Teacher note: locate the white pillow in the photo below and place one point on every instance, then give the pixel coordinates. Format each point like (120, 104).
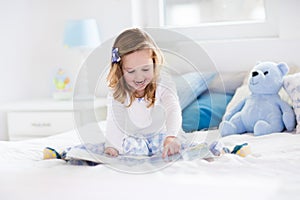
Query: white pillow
(292, 86)
(227, 82)
(190, 85)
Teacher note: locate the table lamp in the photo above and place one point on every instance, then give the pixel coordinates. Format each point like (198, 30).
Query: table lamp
(82, 35)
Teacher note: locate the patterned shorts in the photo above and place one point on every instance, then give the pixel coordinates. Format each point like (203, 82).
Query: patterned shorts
(147, 145)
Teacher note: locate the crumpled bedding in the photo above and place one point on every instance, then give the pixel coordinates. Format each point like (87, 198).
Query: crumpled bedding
(271, 171)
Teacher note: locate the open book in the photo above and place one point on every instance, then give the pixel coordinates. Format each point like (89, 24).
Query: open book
(95, 153)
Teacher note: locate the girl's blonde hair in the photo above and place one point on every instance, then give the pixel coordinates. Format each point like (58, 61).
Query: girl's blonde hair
(127, 42)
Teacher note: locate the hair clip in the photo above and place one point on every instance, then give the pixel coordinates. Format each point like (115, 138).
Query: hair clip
(115, 58)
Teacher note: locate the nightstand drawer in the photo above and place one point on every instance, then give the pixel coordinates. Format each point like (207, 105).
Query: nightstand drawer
(33, 124)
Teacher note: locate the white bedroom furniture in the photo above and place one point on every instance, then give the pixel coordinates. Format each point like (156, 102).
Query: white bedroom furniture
(45, 117)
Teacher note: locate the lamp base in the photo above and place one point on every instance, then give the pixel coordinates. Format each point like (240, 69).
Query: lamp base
(83, 98)
(62, 96)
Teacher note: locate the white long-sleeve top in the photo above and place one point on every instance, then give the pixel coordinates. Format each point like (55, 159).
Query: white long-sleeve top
(138, 120)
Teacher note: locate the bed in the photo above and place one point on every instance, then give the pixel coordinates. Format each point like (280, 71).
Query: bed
(271, 171)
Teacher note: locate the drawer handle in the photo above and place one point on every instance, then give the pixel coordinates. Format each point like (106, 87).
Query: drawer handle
(41, 124)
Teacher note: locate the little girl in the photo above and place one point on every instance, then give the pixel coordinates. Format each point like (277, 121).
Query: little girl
(144, 115)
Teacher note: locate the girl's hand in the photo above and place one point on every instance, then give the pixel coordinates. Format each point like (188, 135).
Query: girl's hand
(171, 146)
(111, 151)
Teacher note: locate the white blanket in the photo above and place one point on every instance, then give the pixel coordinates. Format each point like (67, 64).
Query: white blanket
(271, 171)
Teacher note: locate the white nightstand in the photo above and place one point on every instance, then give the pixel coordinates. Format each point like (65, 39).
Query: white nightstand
(40, 118)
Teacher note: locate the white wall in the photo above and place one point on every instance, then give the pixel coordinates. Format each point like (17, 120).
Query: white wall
(243, 54)
(31, 48)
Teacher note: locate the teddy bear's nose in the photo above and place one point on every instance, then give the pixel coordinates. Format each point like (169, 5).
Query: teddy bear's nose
(254, 74)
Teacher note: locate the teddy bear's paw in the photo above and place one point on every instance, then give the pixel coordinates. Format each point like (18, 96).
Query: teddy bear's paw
(289, 121)
(262, 128)
(227, 128)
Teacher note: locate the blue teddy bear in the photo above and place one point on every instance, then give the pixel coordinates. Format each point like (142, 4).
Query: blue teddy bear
(263, 111)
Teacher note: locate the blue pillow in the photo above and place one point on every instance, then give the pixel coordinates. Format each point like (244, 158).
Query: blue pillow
(190, 85)
(205, 112)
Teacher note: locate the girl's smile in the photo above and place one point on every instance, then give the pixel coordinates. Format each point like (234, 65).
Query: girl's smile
(140, 83)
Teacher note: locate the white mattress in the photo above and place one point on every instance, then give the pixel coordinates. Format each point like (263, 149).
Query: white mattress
(272, 171)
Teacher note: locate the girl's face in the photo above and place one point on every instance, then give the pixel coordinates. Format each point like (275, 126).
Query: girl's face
(138, 70)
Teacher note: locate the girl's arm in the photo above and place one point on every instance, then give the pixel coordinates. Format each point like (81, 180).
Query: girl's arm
(170, 102)
(171, 146)
(113, 136)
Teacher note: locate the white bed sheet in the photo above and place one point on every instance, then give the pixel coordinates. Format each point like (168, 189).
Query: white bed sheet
(272, 171)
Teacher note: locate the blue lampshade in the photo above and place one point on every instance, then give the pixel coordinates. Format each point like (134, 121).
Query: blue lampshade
(81, 34)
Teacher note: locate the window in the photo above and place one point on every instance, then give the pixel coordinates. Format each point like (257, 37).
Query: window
(211, 19)
(197, 12)
(221, 19)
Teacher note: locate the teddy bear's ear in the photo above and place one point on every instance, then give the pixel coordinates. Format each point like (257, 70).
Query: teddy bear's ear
(283, 67)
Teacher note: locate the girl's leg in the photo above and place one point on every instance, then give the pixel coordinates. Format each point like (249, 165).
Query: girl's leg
(135, 146)
(155, 143)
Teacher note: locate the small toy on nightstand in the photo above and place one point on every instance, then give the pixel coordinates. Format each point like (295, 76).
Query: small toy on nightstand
(63, 90)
